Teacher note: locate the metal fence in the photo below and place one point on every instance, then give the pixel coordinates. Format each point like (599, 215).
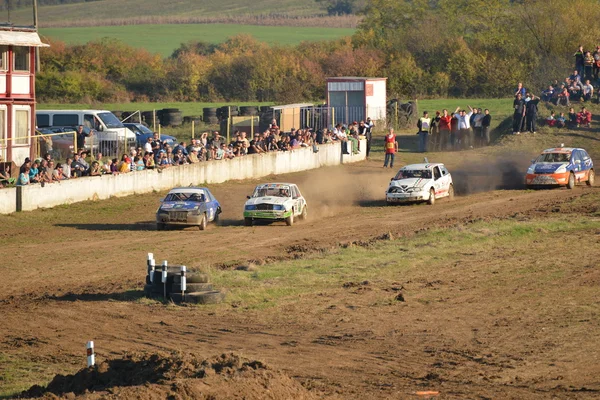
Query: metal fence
(322, 117)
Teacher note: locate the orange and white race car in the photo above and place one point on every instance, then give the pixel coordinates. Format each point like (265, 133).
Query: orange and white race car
(561, 166)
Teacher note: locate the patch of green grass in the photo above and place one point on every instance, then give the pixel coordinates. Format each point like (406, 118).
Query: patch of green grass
(385, 261)
(17, 374)
(164, 39)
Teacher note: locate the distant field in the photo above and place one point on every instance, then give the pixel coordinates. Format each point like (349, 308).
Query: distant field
(164, 39)
(109, 9)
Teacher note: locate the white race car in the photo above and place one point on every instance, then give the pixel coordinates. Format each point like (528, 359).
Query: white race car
(420, 182)
(276, 202)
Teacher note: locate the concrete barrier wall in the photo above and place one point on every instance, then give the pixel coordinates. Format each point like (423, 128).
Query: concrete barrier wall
(254, 166)
(8, 200)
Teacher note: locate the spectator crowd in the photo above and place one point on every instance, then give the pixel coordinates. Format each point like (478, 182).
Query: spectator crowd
(157, 154)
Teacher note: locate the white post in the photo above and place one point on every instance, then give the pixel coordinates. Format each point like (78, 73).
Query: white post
(150, 263)
(151, 271)
(91, 358)
(183, 281)
(164, 277)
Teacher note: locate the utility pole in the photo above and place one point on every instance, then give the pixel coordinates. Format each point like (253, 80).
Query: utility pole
(35, 25)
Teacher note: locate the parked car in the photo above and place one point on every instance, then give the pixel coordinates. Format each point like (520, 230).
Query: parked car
(275, 202)
(63, 145)
(142, 133)
(188, 206)
(561, 166)
(420, 182)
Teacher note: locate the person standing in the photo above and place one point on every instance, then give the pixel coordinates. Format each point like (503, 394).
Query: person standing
(81, 135)
(464, 127)
(485, 125)
(424, 125)
(588, 66)
(391, 147)
(519, 114)
(531, 111)
(435, 132)
(445, 127)
(579, 56)
(478, 127)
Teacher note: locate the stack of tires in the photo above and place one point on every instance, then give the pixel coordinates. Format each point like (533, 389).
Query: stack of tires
(248, 111)
(148, 116)
(198, 289)
(171, 117)
(209, 116)
(227, 111)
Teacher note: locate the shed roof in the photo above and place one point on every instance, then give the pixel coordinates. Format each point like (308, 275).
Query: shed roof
(287, 106)
(20, 38)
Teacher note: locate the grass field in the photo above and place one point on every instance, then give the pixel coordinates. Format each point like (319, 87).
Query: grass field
(164, 39)
(110, 9)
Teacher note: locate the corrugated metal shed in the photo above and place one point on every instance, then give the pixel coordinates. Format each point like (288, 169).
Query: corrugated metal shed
(17, 38)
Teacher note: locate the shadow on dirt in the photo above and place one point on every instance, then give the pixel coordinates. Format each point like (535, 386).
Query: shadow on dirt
(138, 226)
(578, 135)
(372, 203)
(128, 295)
(231, 222)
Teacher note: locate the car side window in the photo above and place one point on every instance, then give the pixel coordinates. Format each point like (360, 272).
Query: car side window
(444, 171)
(436, 173)
(576, 157)
(294, 192)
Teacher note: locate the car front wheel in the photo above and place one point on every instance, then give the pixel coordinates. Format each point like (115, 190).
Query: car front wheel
(202, 225)
(451, 192)
(289, 221)
(571, 183)
(304, 214)
(248, 221)
(160, 227)
(431, 200)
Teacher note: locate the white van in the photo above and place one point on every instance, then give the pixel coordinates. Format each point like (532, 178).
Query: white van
(110, 133)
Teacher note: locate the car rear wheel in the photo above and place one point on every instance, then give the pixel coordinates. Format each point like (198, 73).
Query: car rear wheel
(591, 178)
(202, 225)
(304, 214)
(431, 200)
(248, 221)
(571, 183)
(289, 221)
(451, 192)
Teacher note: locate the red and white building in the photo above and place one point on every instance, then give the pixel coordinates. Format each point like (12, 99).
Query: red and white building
(17, 92)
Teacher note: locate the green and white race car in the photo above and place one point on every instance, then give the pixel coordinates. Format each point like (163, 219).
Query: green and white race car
(275, 202)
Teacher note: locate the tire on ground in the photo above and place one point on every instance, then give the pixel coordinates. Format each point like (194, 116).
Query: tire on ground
(208, 297)
(194, 277)
(192, 287)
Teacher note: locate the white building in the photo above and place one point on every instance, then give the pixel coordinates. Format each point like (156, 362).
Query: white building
(356, 98)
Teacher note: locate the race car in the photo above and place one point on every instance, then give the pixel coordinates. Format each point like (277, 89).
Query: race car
(420, 182)
(185, 206)
(560, 166)
(275, 202)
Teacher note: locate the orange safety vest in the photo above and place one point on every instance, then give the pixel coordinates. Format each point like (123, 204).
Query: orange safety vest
(390, 146)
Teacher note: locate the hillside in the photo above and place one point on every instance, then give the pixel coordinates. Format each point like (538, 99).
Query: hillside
(101, 11)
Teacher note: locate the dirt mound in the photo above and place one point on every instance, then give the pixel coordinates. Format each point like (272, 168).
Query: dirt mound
(177, 376)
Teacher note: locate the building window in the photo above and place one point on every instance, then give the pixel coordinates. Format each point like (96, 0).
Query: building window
(21, 56)
(21, 127)
(3, 58)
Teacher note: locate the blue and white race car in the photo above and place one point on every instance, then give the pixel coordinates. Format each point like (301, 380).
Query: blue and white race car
(187, 206)
(561, 166)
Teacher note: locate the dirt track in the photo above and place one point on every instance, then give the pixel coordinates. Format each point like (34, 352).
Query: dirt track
(66, 291)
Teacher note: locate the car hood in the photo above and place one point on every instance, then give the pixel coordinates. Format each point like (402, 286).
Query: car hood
(180, 205)
(548, 167)
(267, 200)
(409, 183)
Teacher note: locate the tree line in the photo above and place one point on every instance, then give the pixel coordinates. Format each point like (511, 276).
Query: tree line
(426, 48)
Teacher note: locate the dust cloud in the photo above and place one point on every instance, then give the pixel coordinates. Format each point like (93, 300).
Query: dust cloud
(333, 190)
(503, 172)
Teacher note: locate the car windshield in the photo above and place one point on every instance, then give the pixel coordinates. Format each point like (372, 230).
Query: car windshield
(275, 191)
(110, 120)
(553, 157)
(414, 173)
(201, 197)
(144, 129)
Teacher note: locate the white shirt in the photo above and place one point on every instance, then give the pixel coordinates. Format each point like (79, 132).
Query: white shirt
(588, 89)
(463, 122)
(148, 147)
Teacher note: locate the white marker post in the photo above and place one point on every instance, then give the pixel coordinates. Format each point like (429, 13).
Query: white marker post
(91, 358)
(183, 282)
(164, 277)
(151, 267)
